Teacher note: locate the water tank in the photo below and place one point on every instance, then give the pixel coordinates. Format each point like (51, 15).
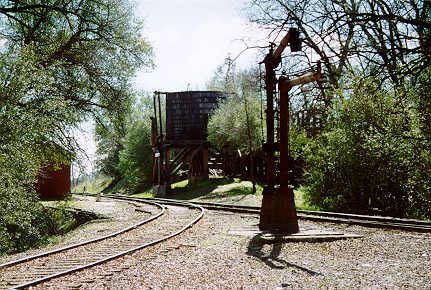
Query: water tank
(187, 114)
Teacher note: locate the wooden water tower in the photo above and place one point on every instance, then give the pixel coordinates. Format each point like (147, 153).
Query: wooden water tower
(184, 147)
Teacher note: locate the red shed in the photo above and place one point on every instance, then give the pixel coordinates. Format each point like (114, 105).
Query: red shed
(53, 181)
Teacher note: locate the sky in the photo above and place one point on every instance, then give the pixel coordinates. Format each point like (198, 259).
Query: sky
(191, 38)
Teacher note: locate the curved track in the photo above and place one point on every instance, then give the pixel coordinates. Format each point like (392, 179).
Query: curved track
(322, 216)
(166, 222)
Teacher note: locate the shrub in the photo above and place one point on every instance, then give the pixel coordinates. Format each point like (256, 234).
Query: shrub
(371, 157)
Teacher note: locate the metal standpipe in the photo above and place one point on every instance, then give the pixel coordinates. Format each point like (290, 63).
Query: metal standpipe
(278, 212)
(268, 198)
(275, 199)
(157, 140)
(285, 220)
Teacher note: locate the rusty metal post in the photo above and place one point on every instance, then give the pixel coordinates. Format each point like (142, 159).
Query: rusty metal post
(278, 213)
(160, 154)
(205, 159)
(271, 61)
(269, 147)
(285, 220)
(167, 168)
(284, 130)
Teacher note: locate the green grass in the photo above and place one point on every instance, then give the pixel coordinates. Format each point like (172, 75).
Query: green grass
(145, 194)
(301, 202)
(93, 186)
(212, 188)
(231, 190)
(215, 189)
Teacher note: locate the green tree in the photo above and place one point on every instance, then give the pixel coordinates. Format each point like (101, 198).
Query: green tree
(372, 156)
(373, 150)
(62, 62)
(236, 124)
(420, 182)
(384, 36)
(135, 159)
(230, 126)
(110, 131)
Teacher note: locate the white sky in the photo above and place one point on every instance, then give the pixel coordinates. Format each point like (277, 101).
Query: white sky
(191, 38)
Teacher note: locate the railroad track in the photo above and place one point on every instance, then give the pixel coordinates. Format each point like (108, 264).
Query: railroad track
(165, 221)
(321, 216)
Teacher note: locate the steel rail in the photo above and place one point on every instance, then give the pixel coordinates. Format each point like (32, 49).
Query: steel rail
(322, 216)
(69, 247)
(119, 254)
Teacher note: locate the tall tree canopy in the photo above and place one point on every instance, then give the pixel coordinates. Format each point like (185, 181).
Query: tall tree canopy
(62, 61)
(389, 38)
(237, 122)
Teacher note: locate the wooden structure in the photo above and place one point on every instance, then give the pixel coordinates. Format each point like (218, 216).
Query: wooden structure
(53, 181)
(184, 148)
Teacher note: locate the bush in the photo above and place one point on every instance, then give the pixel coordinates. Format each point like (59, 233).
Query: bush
(371, 157)
(20, 210)
(136, 157)
(24, 222)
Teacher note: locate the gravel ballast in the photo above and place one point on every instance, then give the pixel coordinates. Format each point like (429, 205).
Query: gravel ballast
(209, 256)
(116, 215)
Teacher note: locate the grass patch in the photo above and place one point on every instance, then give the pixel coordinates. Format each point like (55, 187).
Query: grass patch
(62, 218)
(93, 186)
(215, 187)
(300, 200)
(54, 219)
(225, 190)
(145, 194)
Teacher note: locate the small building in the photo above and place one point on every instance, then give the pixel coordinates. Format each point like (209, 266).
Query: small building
(53, 181)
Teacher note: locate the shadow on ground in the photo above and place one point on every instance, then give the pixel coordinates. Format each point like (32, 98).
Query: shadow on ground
(256, 249)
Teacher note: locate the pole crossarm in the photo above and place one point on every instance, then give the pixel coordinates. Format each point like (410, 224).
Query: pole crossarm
(283, 43)
(285, 83)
